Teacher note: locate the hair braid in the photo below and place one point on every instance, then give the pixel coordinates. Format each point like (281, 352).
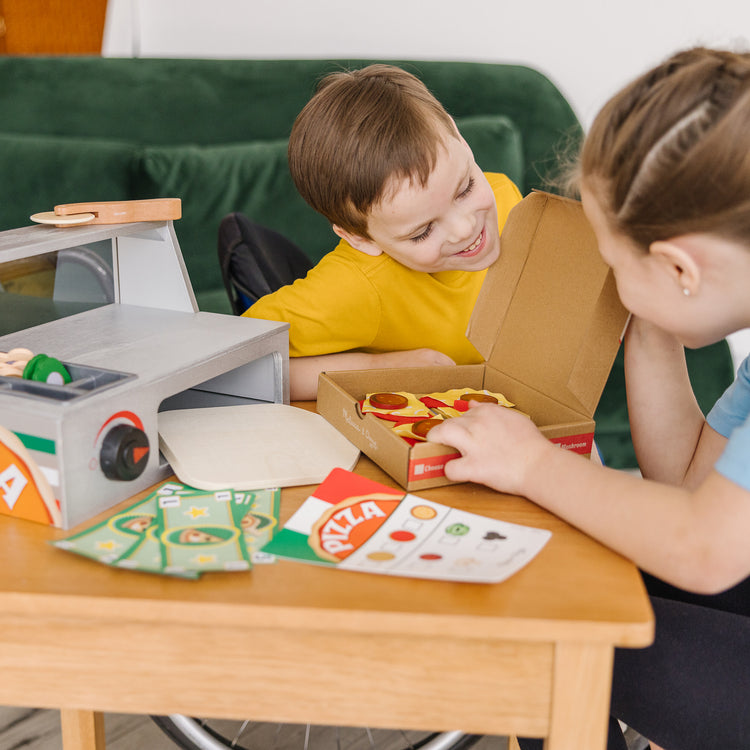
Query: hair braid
(671, 150)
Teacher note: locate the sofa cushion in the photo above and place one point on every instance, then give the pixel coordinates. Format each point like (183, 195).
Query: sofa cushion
(253, 178)
(496, 143)
(39, 172)
(212, 181)
(711, 371)
(162, 101)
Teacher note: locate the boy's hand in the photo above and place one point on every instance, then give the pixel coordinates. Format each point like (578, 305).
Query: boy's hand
(499, 447)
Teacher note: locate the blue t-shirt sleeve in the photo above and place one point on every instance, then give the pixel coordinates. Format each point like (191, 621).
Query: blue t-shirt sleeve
(730, 417)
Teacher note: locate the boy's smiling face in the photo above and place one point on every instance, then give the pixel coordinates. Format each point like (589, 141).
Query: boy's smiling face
(450, 224)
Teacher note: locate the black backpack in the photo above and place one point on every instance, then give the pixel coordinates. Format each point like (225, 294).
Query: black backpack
(255, 260)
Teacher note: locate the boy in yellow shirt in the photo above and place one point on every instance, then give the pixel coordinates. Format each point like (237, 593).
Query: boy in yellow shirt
(419, 222)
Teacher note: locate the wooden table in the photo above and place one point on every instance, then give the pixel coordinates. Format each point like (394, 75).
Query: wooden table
(299, 643)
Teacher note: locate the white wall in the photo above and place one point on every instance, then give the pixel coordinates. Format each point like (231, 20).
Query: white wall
(589, 48)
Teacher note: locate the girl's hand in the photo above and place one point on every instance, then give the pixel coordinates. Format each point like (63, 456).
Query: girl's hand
(498, 446)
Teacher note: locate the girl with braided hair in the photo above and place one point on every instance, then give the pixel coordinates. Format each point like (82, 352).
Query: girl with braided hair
(664, 177)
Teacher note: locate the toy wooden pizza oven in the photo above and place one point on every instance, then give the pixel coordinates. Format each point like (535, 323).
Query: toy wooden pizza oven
(105, 323)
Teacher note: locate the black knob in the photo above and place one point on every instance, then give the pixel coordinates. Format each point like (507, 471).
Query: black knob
(124, 452)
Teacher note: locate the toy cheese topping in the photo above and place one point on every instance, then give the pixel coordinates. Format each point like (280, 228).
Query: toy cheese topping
(456, 401)
(396, 404)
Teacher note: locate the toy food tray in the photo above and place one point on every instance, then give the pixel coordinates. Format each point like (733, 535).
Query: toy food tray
(84, 382)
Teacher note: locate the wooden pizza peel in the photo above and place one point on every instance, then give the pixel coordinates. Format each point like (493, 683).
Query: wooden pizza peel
(252, 446)
(111, 212)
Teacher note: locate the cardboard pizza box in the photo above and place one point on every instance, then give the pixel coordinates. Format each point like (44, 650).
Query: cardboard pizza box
(548, 322)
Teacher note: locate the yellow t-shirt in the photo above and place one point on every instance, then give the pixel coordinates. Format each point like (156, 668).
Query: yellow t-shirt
(354, 301)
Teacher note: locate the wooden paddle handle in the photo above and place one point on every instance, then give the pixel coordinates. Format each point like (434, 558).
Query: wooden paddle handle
(122, 212)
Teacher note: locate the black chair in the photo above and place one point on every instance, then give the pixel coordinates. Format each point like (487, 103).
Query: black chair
(256, 260)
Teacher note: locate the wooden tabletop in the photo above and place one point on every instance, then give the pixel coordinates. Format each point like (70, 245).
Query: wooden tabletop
(574, 582)
(76, 634)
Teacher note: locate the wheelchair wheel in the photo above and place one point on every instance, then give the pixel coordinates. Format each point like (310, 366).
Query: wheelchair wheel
(218, 734)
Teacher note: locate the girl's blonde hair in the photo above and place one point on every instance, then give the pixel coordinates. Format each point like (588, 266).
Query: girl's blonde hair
(670, 154)
(360, 129)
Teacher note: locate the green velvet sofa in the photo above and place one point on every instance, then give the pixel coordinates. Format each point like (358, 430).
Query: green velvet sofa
(214, 132)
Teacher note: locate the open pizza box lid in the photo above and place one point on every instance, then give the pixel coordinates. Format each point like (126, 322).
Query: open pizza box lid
(548, 314)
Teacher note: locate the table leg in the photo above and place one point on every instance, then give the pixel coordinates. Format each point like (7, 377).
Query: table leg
(581, 689)
(82, 730)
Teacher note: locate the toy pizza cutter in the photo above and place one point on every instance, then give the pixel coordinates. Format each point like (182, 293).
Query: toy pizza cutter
(111, 212)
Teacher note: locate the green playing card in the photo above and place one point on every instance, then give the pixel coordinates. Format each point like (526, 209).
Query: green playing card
(181, 531)
(116, 536)
(260, 519)
(202, 531)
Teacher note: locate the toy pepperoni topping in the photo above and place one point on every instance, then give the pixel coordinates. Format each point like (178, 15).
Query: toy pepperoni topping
(388, 401)
(483, 397)
(422, 427)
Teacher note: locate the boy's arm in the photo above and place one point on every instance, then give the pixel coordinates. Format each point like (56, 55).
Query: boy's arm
(672, 441)
(304, 371)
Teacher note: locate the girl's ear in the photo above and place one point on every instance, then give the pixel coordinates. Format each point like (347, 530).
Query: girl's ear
(678, 261)
(368, 247)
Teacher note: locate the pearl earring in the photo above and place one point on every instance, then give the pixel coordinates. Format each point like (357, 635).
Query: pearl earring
(686, 291)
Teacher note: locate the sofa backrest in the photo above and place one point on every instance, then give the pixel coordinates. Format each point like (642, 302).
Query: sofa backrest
(214, 133)
(189, 101)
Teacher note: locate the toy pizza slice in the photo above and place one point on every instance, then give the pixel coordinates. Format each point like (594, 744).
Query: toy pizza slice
(396, 406)
(346, 526)
(417, 431)
(455, 402)
(24, 490)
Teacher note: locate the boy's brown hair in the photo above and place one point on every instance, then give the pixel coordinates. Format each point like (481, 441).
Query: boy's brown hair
(670, 154)
(360, 129)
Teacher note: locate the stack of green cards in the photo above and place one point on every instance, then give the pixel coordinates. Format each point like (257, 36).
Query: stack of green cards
(181, 531)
